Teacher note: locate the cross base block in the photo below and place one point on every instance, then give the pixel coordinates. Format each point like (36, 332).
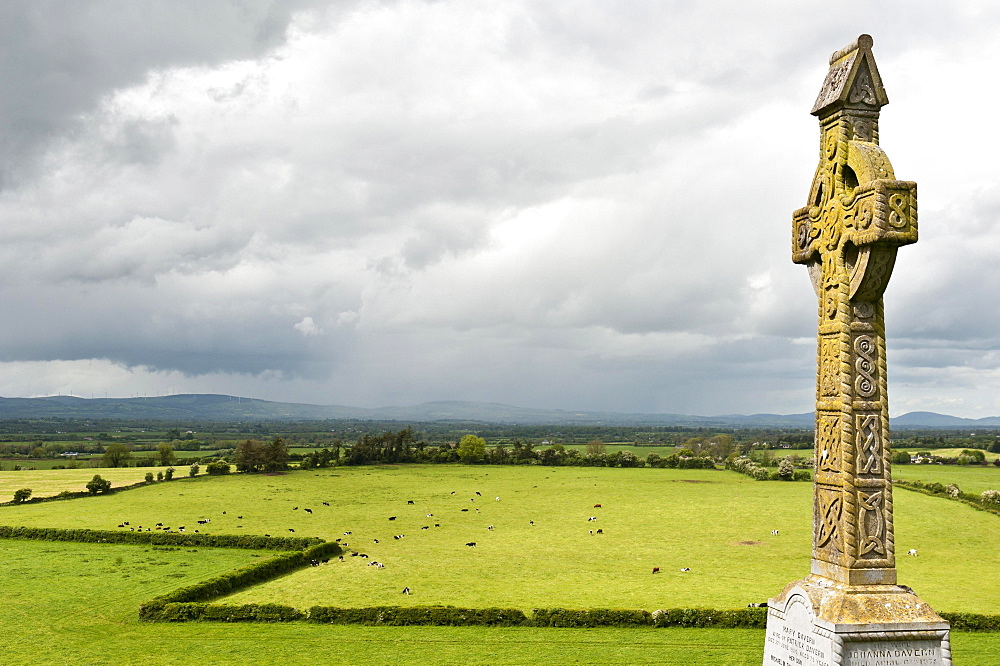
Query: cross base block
(820, 622)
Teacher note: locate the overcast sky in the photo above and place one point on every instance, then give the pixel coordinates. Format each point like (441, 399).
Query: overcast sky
(546, 203)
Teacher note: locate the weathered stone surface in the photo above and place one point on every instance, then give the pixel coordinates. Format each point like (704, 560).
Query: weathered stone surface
(850, 611)
(820, 622)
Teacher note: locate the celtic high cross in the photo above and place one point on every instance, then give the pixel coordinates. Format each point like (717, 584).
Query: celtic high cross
(858, 215)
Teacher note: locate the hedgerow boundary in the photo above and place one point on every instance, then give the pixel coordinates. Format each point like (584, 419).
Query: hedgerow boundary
(940, 490)
(300, 552)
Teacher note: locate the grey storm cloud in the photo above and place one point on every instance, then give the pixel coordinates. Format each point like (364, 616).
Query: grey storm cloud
(541, 203)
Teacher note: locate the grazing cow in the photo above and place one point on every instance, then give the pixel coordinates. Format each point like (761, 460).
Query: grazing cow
(196, 531)
(380, 565)
(430, 515)
(471, 544)
(314, 563)
(159, 524)
(294, 508)
(392, 517)
(762, 604)
(437, 524)
(453, 492)
(597, 506)
(426, 527)
(326, 504)
(326, 560)
(498, 498)
(239, 517)
(121, 524)
(223, 513)
(396, 537)
(409, 501)
(341, 558)
(290, 529)
(375, 540)
(362, 555)
(656, 569)
(406, 590)
(591, 532)
(531, 522)
(338, 540)
(686, 569)
(125, 523)
(464, 509)
(912, 551)
(353, 554)
(774, 532)
(309, 510)
(490, 527)
(591, 519)
(346, 533)
(600, 531)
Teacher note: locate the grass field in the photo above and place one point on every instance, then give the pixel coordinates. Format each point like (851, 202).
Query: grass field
(51, 482)
(970, 479)
(666, 518)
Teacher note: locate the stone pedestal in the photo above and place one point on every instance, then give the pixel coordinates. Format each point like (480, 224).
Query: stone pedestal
(819, 622)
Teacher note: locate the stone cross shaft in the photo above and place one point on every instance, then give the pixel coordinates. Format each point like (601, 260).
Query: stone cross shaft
(858, 215)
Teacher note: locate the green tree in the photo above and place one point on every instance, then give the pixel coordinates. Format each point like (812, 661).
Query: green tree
(166, 453)
(21, 495)
(471, 449)
(98, 485)
(194, 469)
(786, 470)
(251, 456)
(218, 467)
(117, 455)
(276, 455)
(596, 446)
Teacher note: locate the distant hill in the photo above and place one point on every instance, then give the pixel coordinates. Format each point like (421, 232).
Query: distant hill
(211, 407)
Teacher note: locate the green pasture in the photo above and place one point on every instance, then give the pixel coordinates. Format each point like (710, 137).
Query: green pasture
(51, 482)
(74, 603)
(944, 453)
(716, 523)
(971, 479)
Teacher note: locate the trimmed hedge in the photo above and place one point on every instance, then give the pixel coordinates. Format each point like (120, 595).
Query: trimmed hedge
(938, 490)
(972, 621)
(600, 617)
(159, 538)
(232, 581)
(419, 615)
(185, 612)
(753, 618)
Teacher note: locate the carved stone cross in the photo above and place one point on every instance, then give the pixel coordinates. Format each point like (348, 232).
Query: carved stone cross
(849, 610)
(858, 215)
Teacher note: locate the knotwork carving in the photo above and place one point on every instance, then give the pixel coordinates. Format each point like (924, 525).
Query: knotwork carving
(865, 384)
(870, 523)
(828, 459)
(869, 458)
(828, 529)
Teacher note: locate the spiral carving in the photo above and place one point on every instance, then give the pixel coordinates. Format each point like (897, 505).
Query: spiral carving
(866, 384)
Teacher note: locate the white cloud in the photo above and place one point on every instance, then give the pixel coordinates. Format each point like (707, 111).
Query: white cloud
(524, 202)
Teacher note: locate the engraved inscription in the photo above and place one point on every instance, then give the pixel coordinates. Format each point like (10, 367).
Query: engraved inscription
(893, 653)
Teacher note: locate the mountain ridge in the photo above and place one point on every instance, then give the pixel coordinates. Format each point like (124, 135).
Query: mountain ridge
(219, 407)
